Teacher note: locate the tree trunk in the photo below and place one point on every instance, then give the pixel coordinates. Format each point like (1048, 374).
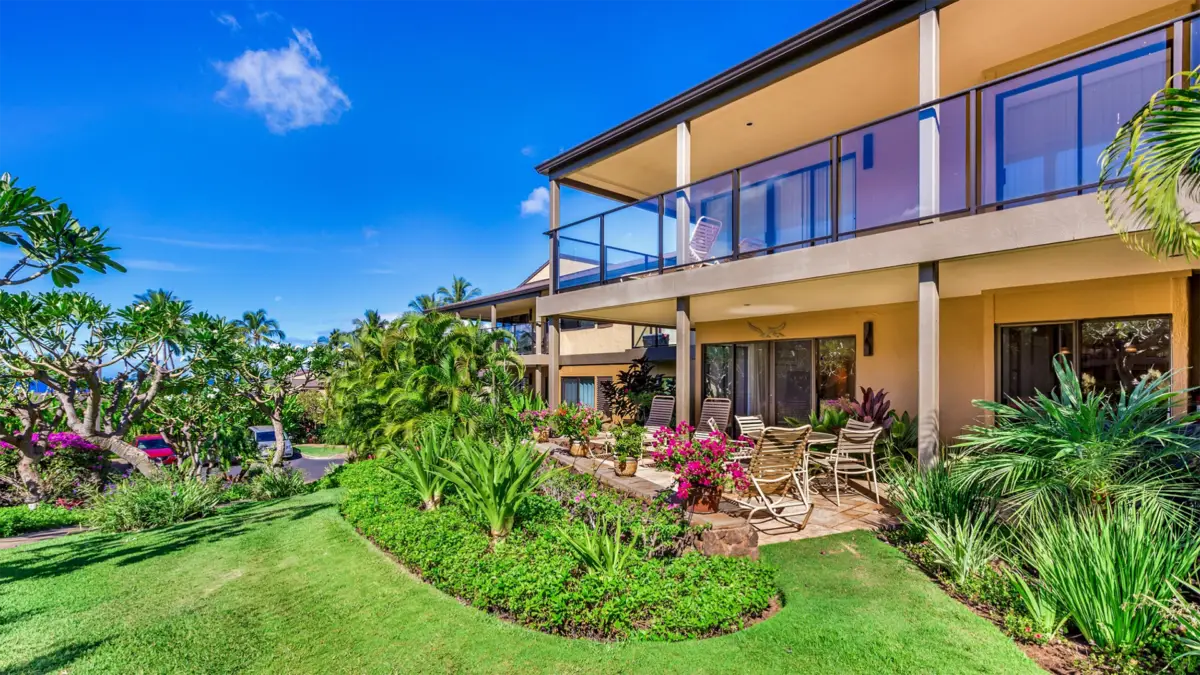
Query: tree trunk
(277, 422)
(125, 451)
(27, 470)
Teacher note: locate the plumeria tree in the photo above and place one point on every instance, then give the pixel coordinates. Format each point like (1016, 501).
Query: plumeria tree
(26, 416)
(268, 374)
(47, 238)
(104, 367)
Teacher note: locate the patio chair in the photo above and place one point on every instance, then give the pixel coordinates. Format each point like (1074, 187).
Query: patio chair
(776, 465)
(706, 432)
(854, 455)
(716, 410)
(704, 237)
(856, 425)
(750, 426)
(661, 409)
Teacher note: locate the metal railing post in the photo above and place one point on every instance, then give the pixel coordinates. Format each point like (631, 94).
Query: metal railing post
(834, 188)
(736, 246)
(603, 253)
(661, 216)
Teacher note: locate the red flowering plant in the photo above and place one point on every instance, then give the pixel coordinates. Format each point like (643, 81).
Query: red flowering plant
(576, 422)
(698, 464)
(69, 467)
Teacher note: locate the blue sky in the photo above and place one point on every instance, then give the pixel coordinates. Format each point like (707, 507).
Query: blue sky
(319, 159)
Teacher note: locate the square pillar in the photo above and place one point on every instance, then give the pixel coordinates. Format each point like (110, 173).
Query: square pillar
(928, 357)
(537, 381)
(555, 359)
(929, 84)
(683, 176)
(683, 359)
(536, 326)
(494, 323)
(555, 221)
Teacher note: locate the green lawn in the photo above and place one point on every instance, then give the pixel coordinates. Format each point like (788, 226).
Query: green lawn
(319, 450)
(288, 587)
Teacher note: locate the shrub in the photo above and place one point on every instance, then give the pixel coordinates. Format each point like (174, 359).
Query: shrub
(963, 545)
(533, 578)
(70, 468)
(142, 503)
(419, 465)
(600, 550)
(576, 422)
(236, 492)
(278, 482)
(628, 441)
(1108, 568)
(495, 481)
(1045, 616)
(932, 495)
(15, 520)
(698, 464)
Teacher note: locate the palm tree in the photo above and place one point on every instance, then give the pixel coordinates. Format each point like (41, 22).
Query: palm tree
(460, 290)
(1157, 154)
(423, 303)
(371, 323)
(257, 328)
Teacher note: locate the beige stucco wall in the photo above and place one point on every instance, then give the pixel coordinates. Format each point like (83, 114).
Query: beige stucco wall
(616, 337)
(968, 334)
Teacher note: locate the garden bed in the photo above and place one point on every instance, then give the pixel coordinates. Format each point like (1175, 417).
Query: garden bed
(532, 577)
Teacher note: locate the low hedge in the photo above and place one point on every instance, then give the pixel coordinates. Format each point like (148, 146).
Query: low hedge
(533, 579)
(16, 520)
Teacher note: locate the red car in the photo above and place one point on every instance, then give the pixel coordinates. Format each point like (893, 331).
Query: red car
(156, 448)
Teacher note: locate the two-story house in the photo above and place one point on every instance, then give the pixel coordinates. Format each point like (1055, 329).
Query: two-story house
(900, 197)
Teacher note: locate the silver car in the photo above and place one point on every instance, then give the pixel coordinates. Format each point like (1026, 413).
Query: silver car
(264, 436)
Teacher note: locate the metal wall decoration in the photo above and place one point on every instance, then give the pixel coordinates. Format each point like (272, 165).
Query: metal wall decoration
(769, 331)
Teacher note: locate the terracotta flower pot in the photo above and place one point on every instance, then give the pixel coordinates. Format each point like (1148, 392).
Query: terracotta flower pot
(577, 449)
(542, 435)
(626, 467)
(707, 500)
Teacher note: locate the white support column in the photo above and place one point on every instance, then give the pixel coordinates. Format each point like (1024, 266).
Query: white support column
(537, 381)
(1178, 65)
(555, 384)
(683, 176)
(555, 221)
(928, 358)
(494, 322)
(683, 360)
(928, 122)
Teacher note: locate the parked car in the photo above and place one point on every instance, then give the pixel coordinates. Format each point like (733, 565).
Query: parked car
(264, 436)
(156, 448)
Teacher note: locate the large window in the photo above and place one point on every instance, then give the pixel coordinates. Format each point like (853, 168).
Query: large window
(579, 390)
(780, 379)
(1108, 354)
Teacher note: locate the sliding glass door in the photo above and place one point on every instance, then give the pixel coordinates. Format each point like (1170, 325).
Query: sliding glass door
(793, 379)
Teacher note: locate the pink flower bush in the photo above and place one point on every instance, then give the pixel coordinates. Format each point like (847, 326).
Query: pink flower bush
(576, 422)
(698, 465)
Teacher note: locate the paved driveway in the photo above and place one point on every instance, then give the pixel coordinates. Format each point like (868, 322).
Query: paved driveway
(315, 467)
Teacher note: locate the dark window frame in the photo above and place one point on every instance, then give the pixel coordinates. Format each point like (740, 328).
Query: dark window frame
(1076, 341)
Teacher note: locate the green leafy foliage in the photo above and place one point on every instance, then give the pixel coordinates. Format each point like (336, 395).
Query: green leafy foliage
(16, 520)
(420, 464)
(601, 549)
(933, 495)
(1108, 566)
(1074, 448)
(494, 481)
(1046, 616)
(631, 392)
(533, 576)
(628, 441)
(145, 502)
(277, 482)
(874, 407)
(963, 545)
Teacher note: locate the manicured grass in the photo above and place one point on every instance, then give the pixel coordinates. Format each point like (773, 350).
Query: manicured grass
(288, 587)
(319, 450)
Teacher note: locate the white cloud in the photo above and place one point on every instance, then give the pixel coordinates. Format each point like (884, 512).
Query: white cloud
(264, 15)
(527, 151)
(370, 233)
(538, 202)
(154, 265)
(378, 270)
(228, 20)
(213, 245)
(278, 298)
(287, 86)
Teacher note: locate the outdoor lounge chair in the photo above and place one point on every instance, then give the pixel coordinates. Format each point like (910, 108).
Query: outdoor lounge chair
(707, 430)
(854, 455)
(717, 410)
(750, 426)
(704, 237)
(661, 409)
(775, 466)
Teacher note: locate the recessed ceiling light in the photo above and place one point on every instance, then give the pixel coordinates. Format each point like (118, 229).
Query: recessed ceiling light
(749, 124)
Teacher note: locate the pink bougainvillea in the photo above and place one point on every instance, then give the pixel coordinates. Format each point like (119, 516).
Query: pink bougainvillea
(698, 464)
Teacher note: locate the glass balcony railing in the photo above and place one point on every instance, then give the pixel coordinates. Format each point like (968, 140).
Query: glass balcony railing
(1029, 137)
(525, 339)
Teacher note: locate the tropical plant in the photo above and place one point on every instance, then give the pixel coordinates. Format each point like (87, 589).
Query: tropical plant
(628, 441)
(698, 464)
(459, 290)
(269, 375)
(963, 545)
(875, 407)
(48, 239)
(423, 303)
(576, 422)
(495, 481)
(830, 418)
(258, 328)
(632, 390)
(1102, 565)
(1153, 160)
(1074, 448)
(933, 495)
(1045, 614)
(144, 502)
(420, 465)
(371, 323)
(900, 443)
(1186, 614)
(277, 482)
(600, 548)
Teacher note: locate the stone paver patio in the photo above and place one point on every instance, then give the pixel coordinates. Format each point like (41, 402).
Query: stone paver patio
(857, 512)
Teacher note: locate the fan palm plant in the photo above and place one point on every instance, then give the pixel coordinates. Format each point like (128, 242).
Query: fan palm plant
(1074, 448)
(495, 481)
(257, 327)
(460, 289)
(1157, 154)
(423, 303)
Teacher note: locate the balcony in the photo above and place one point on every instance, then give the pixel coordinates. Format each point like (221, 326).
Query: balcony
(1029, 137)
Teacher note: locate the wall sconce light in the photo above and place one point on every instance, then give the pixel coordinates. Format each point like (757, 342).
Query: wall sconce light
(868, 338)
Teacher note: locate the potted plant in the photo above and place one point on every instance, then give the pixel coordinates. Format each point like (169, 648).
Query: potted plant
(576, 423)
(627, 448)
(703, 468)
(540, 420)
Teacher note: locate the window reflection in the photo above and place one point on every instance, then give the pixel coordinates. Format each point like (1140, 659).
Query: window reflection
(1118, 353)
